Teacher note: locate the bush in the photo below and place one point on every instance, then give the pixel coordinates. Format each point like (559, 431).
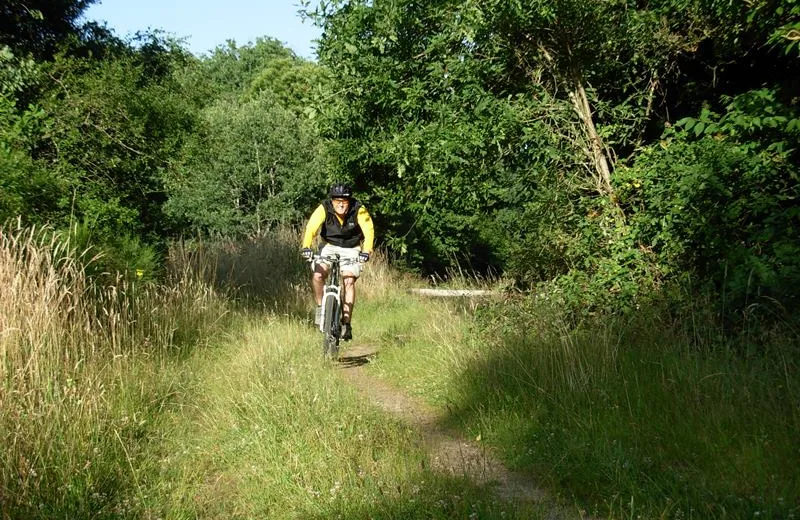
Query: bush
(126, 255)
(717, 199)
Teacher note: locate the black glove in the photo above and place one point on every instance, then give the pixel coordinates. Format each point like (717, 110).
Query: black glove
(307, 253)
(363, 257)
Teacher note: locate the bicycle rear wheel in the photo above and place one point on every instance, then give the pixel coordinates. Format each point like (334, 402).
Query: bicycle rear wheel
(331, 328)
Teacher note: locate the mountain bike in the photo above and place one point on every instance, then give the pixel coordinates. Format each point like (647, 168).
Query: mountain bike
(330, 323)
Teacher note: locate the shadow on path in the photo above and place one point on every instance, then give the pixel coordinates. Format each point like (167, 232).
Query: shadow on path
(449, 450)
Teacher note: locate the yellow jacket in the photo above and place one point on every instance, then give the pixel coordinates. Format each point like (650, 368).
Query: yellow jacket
(349, 231)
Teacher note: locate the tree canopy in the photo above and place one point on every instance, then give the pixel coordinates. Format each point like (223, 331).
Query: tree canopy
(608, 147)
(505, 134)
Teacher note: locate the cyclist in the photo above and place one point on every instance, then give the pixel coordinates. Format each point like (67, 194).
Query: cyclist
(347, 230)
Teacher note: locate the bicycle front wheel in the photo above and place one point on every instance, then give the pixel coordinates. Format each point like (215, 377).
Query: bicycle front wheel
(331, 328)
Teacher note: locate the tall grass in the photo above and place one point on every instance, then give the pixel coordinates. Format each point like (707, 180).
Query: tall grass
(262, 272)
(646, 418)
(110, 410)
(640, 417)
(80, 369)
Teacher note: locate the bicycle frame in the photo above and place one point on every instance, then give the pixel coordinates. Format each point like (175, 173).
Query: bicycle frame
(330, 323)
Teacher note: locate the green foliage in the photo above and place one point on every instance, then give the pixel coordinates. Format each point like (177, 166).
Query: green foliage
(229, 70)
(293, 82)
(417, 123)
(717, 198)
(123, 256)
(255, 158)
(39, 26)
(15, 73)
(114, 126)
(474, 131)
(787, 35)
(254, 164)
(26, 187)
(457, 120)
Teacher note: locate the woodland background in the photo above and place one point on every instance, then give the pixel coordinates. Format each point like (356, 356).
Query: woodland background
(614, 149)
(624, 172)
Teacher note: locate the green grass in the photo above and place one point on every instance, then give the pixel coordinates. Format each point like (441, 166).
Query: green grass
(420, 343)
(130, 402)
(630, 418)
(276, 433)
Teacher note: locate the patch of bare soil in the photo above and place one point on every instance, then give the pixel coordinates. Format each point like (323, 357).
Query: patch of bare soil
(449, 450)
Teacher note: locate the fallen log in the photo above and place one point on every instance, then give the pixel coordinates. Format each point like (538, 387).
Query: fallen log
(453, 293)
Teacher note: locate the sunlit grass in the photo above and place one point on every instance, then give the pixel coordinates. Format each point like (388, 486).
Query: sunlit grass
(276, 433)
(81, 367)
(147, 400)
(631, 417)
(156, 401)
(263, 272)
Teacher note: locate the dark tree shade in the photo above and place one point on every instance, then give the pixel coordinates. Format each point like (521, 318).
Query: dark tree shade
(37, 26)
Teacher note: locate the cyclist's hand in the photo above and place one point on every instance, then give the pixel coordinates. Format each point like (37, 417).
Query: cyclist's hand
(307, 253)
(363, 257)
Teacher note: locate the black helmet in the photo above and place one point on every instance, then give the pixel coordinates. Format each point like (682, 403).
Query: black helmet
(340, 191)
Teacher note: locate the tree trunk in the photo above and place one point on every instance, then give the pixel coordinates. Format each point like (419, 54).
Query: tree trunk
(596, 147)
(260, 189)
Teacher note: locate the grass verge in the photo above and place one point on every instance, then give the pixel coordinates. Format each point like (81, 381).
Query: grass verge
(631, 418)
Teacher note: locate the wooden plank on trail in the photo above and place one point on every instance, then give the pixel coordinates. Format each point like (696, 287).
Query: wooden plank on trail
(453, 293)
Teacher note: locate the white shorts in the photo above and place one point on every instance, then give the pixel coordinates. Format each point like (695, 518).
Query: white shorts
(348, 255)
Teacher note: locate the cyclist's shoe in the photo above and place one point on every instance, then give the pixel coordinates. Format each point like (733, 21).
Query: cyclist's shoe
(318, 315)
(347, 332)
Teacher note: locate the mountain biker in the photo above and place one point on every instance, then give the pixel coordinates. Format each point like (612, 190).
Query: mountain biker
(347, 230)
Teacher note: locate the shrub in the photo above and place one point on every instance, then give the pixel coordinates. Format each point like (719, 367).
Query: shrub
(717, 199)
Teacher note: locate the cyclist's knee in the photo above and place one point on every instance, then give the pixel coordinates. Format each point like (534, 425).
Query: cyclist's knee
(319, 276)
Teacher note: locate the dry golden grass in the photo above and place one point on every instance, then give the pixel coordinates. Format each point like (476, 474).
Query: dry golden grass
(69, 349)
(263, 271)
(379, 280)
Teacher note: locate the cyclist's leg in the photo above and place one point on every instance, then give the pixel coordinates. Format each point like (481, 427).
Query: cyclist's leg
(318, 281)
(349, 285)
(349, 296)
(351, 270)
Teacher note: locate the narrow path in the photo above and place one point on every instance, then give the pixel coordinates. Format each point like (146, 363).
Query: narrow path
(449, 450)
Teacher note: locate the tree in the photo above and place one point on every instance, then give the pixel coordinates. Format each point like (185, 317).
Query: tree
(256, 158)
(39, 26)
(26, 186)
(114, 124)
(255, 164)
(294, 82)
(230, 69)
(434, 117)
(506, 119)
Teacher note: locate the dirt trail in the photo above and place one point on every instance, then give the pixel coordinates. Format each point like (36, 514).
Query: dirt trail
(449, 450)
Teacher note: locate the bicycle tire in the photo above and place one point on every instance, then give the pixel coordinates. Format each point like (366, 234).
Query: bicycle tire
(331, 328)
